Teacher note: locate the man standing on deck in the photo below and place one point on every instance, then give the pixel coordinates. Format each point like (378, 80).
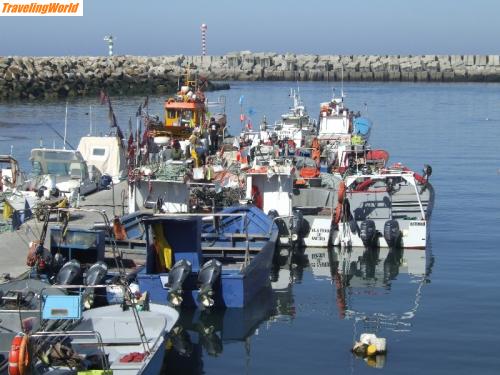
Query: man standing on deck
(213, 128)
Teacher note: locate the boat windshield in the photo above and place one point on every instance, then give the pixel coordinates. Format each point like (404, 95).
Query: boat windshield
(57, 168)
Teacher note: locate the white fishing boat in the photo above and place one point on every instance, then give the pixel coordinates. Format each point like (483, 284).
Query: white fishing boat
(65, 170)
(306, 211)
(387, 208)
(296, 124)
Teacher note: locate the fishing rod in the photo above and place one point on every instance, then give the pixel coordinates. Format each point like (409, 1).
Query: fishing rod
(59, 135)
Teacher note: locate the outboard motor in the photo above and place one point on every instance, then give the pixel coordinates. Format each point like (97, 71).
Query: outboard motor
(176, 277)
(273, 214)
(70, 272)
(297, 225)
(96, 273)
(368, 233)
(392, 234)
(57, 262)
(208, 275)
(105, 181)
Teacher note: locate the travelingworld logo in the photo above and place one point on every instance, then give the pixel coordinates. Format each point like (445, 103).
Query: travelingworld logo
(41, 8)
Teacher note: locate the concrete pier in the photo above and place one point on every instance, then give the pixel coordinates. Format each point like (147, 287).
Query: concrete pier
(14, 245)
(59, 77)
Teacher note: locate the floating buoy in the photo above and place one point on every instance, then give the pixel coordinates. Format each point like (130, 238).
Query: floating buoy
(369, 345)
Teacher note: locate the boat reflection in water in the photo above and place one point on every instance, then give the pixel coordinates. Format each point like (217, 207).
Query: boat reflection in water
(206, 332)
(378, 289)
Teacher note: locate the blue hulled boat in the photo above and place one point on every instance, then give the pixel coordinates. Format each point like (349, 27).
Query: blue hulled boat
(220, 260)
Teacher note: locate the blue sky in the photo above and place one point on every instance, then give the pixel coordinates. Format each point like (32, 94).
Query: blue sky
(166, 27)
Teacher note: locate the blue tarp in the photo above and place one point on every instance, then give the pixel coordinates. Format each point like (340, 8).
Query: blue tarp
(362, 126)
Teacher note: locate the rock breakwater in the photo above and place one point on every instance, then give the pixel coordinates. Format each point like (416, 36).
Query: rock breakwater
(59, 77)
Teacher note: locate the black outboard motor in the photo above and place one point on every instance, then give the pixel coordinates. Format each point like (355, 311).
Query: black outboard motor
(208, 275)
(69, 273)
(273, 214)
(96, 273)
(368, 233)
(58, 261)
(297, 225)
(105, 181)
(176, 277)
(392, 234)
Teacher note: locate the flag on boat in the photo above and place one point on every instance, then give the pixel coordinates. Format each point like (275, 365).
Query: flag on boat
(242, 97)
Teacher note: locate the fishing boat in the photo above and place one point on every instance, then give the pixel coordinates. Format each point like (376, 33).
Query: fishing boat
(304, 211)
(121, 339)
(208, 260)
(11, 177)
(184, 112)
(386, 208)
(19, 312)
(295, 125)
(64, 170)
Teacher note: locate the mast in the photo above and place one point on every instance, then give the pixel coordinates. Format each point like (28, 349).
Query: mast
(65, 126)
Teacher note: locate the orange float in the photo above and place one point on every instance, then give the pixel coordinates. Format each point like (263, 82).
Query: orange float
(18, 355)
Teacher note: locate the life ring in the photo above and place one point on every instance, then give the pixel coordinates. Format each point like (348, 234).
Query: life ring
(338, 213)
(18, 355)
(258, 201)
(341, 192)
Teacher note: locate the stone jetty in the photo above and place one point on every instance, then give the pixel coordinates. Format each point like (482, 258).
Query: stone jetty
(59, 77)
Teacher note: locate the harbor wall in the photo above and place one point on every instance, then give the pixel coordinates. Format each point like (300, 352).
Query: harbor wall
(56, 77)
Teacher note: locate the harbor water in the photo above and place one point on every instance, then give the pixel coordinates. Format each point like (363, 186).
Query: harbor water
(437, 308)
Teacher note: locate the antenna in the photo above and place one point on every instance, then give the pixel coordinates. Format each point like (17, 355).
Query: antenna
(110, 39)
(65, 126)
(342, 84)
(90, 119)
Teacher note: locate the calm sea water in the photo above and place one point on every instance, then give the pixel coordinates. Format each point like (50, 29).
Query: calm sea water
(439, 309)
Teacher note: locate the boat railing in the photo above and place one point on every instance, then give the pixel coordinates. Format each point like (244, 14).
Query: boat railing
(117, 258)
(48, 335)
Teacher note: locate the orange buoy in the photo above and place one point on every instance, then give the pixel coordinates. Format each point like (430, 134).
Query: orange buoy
(18, 355)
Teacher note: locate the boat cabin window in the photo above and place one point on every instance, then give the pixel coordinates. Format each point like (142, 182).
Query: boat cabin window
(187, 118)
(172, 114)
(98, 151)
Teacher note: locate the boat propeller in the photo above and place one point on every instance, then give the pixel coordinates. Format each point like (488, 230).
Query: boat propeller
(208, 275)
(176, 277)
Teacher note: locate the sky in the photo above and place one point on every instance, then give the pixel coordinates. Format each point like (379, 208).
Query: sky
(324, 27)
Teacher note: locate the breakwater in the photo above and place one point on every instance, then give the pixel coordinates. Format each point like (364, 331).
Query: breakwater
(52, 77)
